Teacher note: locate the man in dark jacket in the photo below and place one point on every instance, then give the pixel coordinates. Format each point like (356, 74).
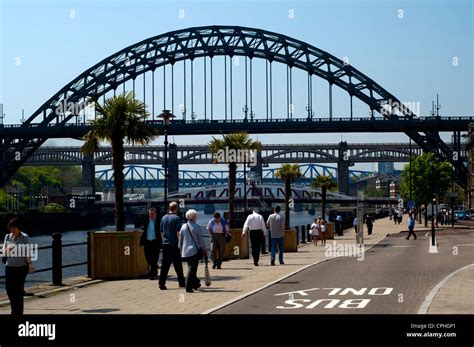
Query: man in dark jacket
(152, 242)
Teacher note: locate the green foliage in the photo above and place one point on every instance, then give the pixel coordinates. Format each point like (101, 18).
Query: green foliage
(324, 182)
(52, 207)
(122, 119)
(288, 172)
(426, 169)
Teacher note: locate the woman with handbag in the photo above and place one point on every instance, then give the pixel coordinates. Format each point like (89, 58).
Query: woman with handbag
(218, 228)
(193, 248)
(17, 260)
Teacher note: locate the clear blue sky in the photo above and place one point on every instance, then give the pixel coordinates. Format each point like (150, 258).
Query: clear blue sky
(412, 57)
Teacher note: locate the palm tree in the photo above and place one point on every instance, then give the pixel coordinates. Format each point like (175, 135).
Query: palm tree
(288, 173)
(233, 141)
(120, 119)
(325, 183)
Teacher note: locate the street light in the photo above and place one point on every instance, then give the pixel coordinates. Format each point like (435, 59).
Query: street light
(166, 115)
(433, 243)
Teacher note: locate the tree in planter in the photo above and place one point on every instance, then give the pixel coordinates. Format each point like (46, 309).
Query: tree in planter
(421, 177)
(121, 120)
(324, 183)
(232, 143)
(288, 173)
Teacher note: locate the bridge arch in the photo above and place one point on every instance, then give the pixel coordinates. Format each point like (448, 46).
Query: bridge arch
(212, 41)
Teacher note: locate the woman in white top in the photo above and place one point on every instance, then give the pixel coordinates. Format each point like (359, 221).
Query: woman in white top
(315, 231)
(323, 232)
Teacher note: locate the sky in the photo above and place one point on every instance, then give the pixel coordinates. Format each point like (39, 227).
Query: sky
(414, 49)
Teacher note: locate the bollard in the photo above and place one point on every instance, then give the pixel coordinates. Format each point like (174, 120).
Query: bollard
(303, 234)
(308, 230)
(89, 270)
(57, 260)
(297, 228)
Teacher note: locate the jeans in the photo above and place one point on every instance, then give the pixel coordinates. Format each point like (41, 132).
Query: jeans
(15, 284)
(171, 254)
(277, 241)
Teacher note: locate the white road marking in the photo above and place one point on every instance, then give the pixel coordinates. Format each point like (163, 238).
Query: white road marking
(429, 298)
(433, 249)
(243, 296)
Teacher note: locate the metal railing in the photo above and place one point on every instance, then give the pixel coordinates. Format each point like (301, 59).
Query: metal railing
(57, 258)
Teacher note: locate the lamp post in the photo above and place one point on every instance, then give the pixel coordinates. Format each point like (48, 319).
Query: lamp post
(166, 115)
(433, 243)
(245, 186)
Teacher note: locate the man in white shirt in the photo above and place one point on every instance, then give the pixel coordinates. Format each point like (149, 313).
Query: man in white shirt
(256, 225)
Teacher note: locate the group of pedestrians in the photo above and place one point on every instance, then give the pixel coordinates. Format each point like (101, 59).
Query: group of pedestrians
(181, 242)
(185, 242)
(257, 228)
(318, 231)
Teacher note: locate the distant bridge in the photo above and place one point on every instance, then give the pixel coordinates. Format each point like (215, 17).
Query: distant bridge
(342, 154)
(152, 177)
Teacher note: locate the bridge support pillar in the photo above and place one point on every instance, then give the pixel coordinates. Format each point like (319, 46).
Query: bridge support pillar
(343, 168)
(173, 167)
(88, 173)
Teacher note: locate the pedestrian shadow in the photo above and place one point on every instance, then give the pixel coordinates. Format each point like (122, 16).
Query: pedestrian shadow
(218, 290)
(218, 278)
(101, 310)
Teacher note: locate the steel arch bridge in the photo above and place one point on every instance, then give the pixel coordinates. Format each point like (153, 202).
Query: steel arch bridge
(18, 143)
(137, 176)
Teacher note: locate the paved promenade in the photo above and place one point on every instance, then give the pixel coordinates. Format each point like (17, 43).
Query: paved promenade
(236, 279)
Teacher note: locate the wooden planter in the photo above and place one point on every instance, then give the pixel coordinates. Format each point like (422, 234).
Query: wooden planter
(117, 254)
(290, 244)
(330, 229)
(238, 248)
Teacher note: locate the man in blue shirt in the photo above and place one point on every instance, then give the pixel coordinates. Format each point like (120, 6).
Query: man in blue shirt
(411, 226)
(151, 241)
(170, 226)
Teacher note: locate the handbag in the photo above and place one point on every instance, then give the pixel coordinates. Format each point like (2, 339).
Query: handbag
(200, 252)
(5, 258)
(228, 238)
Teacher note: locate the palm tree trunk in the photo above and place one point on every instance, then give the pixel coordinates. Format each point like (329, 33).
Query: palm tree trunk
(323, 203)
(287, 203)
(232, 182)
(118, 162)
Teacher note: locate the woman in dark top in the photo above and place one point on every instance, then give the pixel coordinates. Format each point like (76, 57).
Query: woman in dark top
(18, 265)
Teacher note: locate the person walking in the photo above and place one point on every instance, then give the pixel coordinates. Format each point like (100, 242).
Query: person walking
(18, 265)
(151, 241)
(339, 225)
(355, 224)
(193, 248)
(323, 232)
(218, 228)
(255, 224)
(315, 228)
(276, 225)
(370, 224)
(411, 226)
(400, 216)
(170, 227)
